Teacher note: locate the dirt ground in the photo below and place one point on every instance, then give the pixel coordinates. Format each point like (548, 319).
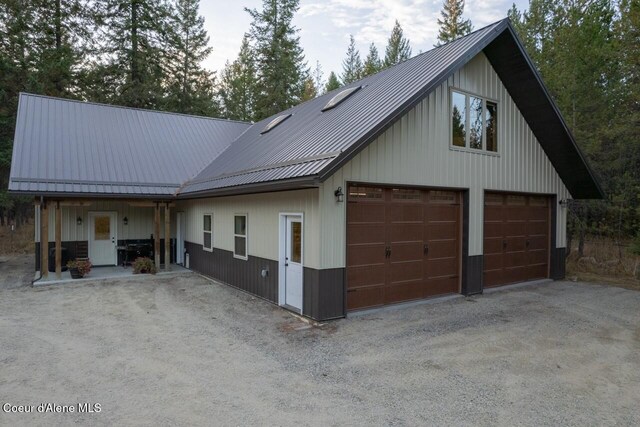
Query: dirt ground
(16, 271)
(184, 350)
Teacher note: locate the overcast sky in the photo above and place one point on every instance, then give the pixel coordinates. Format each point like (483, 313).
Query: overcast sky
(325, 25)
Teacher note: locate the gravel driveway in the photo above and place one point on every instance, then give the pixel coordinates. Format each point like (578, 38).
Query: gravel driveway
(183, 350)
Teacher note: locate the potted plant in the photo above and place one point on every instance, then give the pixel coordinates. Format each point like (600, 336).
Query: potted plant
(144, 265)
(79, 268)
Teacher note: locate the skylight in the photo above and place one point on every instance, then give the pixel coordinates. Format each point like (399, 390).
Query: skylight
(275, 122)
(341, 97)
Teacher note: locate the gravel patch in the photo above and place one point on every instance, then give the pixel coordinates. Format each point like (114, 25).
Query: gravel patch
(185, 350)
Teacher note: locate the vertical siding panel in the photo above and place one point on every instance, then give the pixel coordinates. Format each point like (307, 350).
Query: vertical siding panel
(416, 150)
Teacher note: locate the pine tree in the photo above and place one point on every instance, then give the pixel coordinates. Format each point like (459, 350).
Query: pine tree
(332, 82)
(190, 88)
(352, 64)
(132, 43)
(318, 80)
(398, 47)
(451, 23)
(372, 63)
(238, 85)
(282, 70)
(310, 90)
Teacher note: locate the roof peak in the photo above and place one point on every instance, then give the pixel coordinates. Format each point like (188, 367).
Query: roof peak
(124, 107)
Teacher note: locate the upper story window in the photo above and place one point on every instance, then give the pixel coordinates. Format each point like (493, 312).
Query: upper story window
(474, 122)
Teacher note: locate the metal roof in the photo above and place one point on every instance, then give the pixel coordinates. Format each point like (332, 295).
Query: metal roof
(81, 147)
(311, 133)
(65, 146)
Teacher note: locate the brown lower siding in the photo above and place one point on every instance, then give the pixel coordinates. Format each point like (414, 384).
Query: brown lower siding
(323, 291)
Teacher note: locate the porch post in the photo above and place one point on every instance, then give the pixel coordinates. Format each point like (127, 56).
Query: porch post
(58, 241)
(156, 235)
(167, 237)
(44, 239)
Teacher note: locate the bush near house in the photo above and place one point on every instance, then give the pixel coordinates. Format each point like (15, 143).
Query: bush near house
(144, 265)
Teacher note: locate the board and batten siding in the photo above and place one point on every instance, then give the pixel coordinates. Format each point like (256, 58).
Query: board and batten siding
(263, 211)
(140, 221)
(416, 150)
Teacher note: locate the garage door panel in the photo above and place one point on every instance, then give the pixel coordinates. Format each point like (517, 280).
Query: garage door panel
(366, 255)
(406, 251)
(443, 285)
(407, 270)
(365, 233)
(493, 229)
(538, 228)
(365, 213)
(372, 296)
(442, 267)
(368, 275)
(406, 212)
(493, 245)
(493, 212)
(404, 291)
(516, 213)
(537, 257)
(493, 261)
(522, 221)
(514, 228)
(442, 230)
(442, 248)
(515, 243)
(439, 212)
(405, 232)
(537, 272)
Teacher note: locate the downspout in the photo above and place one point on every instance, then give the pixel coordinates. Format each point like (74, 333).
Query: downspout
(40, 239)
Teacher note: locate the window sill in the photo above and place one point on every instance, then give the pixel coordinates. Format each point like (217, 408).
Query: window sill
(244, 258)
(207, 249)
(475, 151)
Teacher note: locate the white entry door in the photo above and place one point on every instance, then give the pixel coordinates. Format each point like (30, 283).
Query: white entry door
(103, 238)
(180, 230)
(293, 262)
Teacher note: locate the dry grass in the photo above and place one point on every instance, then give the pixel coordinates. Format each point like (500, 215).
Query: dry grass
(605, 261)
(19, 241)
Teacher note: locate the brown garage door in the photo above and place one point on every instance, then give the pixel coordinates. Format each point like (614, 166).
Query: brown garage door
(516, 238)
(402, 244)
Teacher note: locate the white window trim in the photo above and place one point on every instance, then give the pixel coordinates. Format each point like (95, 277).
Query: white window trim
(467, 148)
(246, 236)
(210, 232)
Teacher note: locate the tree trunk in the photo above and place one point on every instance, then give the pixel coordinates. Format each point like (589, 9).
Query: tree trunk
(135, 68)
(58, 30)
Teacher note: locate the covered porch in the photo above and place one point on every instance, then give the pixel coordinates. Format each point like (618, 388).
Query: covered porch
(105, 273)
(109, 232)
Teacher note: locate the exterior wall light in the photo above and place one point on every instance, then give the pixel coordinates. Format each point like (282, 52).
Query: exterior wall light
(339, 195)
(125, 220)
(564, 203)
(79, 220)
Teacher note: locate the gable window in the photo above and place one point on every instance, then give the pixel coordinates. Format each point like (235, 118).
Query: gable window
(240, 236)
(207, 232)
(474, 122)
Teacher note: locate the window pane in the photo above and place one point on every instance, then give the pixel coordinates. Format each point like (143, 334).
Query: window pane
(207, 223)
(207, 240)
(102, 228)
(475, 122)
(365, 193)
(491, 117)
(241, 225)
(240, 246)
(296, 242)
(459, 119)
(406, 194)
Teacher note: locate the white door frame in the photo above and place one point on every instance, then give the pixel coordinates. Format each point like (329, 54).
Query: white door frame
(92, 214)
(180, 217)
(282, 255)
